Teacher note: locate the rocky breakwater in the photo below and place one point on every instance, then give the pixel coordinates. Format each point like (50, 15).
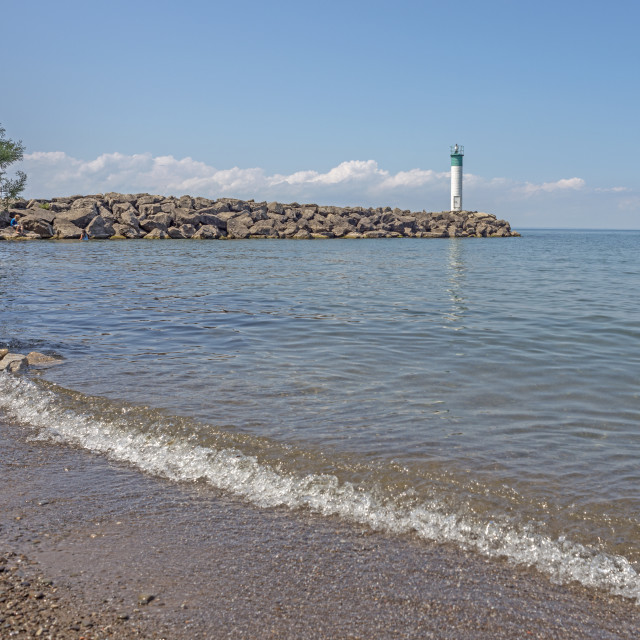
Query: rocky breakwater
(120, 216)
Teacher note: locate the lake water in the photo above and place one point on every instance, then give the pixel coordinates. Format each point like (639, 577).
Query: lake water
(483, 392)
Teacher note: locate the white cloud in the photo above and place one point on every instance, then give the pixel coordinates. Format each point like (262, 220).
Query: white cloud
(564, 184)
(564, 202)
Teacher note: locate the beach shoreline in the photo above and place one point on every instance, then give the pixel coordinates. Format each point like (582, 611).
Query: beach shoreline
(138, 556)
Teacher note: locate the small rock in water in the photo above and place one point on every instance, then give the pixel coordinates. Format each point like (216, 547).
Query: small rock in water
(145, 598)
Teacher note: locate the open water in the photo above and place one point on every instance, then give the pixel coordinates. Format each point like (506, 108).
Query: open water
(480, 392)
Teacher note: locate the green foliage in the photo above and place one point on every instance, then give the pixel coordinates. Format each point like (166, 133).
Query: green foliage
(10, 152)
(45, 205)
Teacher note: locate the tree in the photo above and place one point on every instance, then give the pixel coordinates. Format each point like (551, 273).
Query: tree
(10, 152)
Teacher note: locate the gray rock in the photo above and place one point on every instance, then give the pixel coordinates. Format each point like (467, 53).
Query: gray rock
(129, 219)
(80, 217)
(37, 225)
(125, 231)
(265, 228)
(207, 232)
(100, 228)
(186, 216)
(160, 221)
(147, 199)
(156, 234)
(14, 362)
(237, 228)
(37, 358)
(275, 207)
(82, 203)
(149, 209)
(212, 219)
(65, 230)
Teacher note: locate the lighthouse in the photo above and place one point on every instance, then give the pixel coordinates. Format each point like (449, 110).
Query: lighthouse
(457, 153)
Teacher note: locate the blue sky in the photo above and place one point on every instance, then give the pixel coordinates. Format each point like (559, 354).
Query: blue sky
(333, 102)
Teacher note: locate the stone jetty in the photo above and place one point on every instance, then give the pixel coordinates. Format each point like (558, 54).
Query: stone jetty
(120, 216)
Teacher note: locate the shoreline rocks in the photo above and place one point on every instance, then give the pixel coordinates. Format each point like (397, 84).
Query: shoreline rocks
(132, 216)
(16, 362)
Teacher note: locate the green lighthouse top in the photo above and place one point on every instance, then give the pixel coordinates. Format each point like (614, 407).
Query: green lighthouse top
(457, 151)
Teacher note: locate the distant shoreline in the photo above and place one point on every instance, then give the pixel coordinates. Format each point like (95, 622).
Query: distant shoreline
(120, 216)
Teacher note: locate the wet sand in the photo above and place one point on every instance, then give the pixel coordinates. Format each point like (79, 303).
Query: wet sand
(94, 549)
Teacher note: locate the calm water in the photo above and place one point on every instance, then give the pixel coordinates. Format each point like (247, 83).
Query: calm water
(482, 392)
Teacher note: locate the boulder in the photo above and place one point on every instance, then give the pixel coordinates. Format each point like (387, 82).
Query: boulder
(207, 232)
(129, 219)
(65, 230)
(149, 209)
(14, 362)
(36, 358)
(186, 216)
(82, 203)
(156, 234)
(265, 228)
(147, 199)
(80, 217)
(120, 208)
(119, 198)
(125, 231)
(160, 221)
(100, 228)
(237, 227)
(5, 219)
(302, 234)
(275, 207)
(201, 203)
(211, 218)
(35, 224)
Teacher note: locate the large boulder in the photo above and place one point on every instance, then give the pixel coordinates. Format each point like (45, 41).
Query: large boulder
(37, 225)
(206, 216)
(160, 221)
(238, 228)
(264, 228)
(125, 231)
(207, 232)
(80, 217)
(66, 230)
(156, 234)
(100, 228)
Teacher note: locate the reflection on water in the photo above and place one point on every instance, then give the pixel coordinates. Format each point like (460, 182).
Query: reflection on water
(456, 277)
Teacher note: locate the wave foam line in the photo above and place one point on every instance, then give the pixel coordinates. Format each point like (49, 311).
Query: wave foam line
(242, 475)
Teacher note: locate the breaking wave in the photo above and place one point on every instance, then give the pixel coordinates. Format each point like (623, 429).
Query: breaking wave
(124, 438)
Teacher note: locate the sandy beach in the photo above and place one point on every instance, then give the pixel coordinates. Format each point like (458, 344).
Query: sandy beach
(94, 549)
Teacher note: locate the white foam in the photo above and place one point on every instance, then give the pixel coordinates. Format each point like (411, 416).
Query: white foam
(230, 470)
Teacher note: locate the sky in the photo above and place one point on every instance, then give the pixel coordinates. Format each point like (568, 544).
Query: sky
(336, 102)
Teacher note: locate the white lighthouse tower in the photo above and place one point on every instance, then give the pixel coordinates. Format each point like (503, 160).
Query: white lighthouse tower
(457, 153)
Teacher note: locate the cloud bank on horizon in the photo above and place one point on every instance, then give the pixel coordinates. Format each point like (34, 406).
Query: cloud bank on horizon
(353, 182)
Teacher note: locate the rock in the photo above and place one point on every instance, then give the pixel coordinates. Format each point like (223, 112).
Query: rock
(100, 228)
(275, 207)
(186, 216)
(156, 234)
(145, 598)
(149, 209)
(146, 200)
(237, 228)
(82, 203)
(129, 219)
(124, 231)
(207, 232)
(14, 362)
(206, 216)
(37, 225)
(37, 358)
(160, 221)
(80, 217)
(66, 230)
(266, 228)
(121, 208)
(3, 353)
(119, 198)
